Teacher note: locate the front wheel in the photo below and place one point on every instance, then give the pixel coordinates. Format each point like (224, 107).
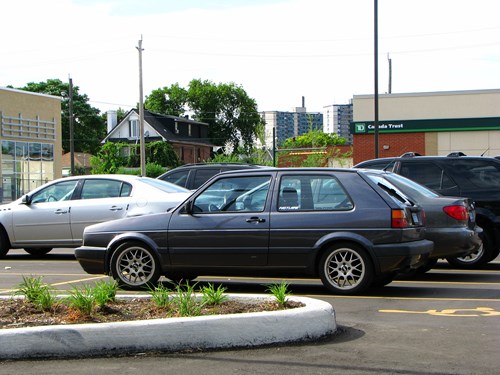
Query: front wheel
(135, 266)
(345, 269)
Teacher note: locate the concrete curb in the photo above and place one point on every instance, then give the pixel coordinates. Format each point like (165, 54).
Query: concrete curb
(314, 320)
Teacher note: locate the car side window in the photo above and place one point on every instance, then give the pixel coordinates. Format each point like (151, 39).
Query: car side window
(428, 174)
(234, 194)
(202, 175)
(179, 178)
(312, 193)
(61, 191)
(102, 188)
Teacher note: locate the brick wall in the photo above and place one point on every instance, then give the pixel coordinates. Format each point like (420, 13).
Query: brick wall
(398, 143)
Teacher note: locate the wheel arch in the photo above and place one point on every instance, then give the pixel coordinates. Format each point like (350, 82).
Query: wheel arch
(344, 237)
(126, 237)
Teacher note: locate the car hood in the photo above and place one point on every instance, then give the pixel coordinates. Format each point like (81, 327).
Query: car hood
(151, 222)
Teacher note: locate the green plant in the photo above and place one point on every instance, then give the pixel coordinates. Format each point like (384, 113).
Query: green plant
(280, 292)
(160, 295)
(212, 296)
(186, 302)
(82, 299)
(104, 292)
(36, 292)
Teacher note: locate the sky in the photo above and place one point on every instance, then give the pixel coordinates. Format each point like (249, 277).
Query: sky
(277, 50)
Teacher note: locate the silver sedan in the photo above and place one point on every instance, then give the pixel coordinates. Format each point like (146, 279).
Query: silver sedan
(55, 214)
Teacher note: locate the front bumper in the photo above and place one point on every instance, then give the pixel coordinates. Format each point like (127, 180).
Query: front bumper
(92, 259)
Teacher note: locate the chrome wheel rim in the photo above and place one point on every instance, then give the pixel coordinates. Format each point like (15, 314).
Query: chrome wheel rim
(345, 269)
(472, 257)
(135, 266)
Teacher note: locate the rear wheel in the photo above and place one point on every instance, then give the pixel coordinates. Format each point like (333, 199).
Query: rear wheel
(38, 251)
(345, 268)
(135, 266)
(4, 244)
(481, 256)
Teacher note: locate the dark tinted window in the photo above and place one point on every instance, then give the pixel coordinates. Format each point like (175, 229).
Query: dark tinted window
(178, 178)
(428, 174)
(202, 175)
(479, 173)
(378, 164)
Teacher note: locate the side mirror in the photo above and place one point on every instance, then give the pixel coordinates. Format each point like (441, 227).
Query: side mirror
(188, 207)
(26, 199)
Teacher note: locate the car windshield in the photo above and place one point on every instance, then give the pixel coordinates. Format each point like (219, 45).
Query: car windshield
(165, 186)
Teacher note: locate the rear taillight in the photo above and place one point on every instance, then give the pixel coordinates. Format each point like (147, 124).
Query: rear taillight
(457, 212)
(399, 219)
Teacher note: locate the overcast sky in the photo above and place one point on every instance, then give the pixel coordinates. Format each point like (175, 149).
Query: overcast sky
(277, 50)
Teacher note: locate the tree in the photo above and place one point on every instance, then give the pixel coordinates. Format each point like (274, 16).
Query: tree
(168, 100)
(231, 114)
(89, 126)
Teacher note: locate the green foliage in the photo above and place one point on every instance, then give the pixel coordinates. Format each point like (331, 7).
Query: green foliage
(159, 152)
(212, 296)
(89, 127)
(314, 138)
(82, 299)
(167, 100)
(160, 295)
(108, 159)
(186, 302)
(36, 292)
(226, 107)
(280, 292)
(104, 292)
(154, 170)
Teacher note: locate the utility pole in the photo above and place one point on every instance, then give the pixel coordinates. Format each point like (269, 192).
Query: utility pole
(71, 128)
(141, 114)
(375, 32)
(390, 73)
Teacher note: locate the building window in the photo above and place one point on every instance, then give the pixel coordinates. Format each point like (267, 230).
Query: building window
(25, 166)
(133, 129)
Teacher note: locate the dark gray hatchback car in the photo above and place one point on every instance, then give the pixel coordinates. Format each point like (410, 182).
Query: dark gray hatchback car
(335, 224)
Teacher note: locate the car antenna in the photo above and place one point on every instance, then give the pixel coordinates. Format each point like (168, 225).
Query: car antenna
(485, 151)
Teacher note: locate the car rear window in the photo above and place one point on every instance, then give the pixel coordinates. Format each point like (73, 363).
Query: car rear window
(394, 192)
(481, 173)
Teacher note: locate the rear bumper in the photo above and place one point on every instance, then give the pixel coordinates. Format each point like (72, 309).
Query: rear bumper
(91, 259)
(402, 257)
(453, 241)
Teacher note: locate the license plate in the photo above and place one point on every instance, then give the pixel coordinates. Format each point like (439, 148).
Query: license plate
(414, 217)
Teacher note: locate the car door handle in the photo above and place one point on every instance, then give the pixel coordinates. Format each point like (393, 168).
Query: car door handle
(60, 212)
(116, 208)
(255, 220)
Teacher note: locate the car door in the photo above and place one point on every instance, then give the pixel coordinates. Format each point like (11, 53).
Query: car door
(431, 175)
(45, 217)
(229, 225)
(100, 200)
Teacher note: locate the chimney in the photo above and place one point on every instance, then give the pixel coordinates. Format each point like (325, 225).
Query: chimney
(112, 120)
(303, 102)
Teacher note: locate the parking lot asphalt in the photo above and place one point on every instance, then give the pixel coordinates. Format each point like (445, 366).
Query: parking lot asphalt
(444, 322)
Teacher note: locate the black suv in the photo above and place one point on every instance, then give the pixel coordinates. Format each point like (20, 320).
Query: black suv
(475, 177)
(192, 176)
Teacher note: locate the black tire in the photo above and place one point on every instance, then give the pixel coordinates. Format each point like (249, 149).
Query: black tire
(37, 251)
(4, 243)
(135, 266)
(345, 268)
(481, 256)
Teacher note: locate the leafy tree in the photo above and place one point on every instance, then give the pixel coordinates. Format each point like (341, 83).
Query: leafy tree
(168, 100)
(89, 127)
(108, 158)
(231, 114)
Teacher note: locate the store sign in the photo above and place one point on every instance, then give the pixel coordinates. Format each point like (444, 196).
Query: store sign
(438, 125)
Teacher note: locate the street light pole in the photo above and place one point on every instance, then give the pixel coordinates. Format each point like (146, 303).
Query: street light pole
(141, 114)
(375, 32)
(71, 128)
